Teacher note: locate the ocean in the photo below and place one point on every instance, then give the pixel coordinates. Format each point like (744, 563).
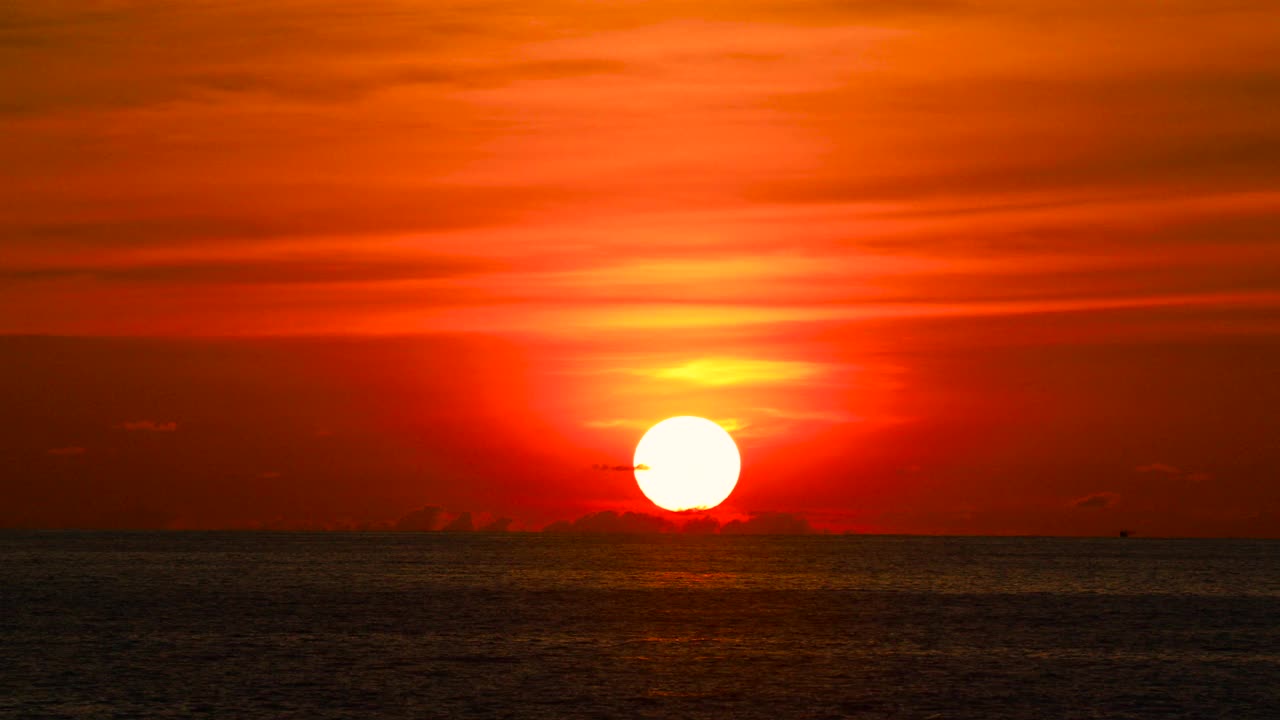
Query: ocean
(526, 625)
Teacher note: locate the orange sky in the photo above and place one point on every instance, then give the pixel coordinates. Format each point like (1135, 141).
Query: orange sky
(995, 267)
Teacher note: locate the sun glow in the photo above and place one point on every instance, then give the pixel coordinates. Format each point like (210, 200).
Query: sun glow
(687, 463)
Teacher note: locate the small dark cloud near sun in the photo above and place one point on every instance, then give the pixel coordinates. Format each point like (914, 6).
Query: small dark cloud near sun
(619, 468)
(1096, 501)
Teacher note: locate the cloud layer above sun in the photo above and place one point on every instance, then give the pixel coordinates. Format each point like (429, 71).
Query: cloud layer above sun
(299, 166)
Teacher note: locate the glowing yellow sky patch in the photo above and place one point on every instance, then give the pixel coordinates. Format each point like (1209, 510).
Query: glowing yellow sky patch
(738, 371)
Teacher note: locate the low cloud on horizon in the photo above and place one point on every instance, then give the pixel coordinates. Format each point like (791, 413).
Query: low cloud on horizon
(613, 522)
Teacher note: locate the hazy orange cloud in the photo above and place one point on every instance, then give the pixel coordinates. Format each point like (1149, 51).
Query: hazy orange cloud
(368, 172)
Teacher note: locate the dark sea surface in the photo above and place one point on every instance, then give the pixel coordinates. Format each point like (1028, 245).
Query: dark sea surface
(349, 625)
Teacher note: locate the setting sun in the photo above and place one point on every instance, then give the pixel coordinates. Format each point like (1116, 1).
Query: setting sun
(687, 463)
(420, 347)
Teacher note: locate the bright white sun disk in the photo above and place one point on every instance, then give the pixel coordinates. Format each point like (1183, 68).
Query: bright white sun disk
(687, 463)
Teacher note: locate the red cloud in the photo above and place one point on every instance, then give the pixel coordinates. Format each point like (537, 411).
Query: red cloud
(1097, 501)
